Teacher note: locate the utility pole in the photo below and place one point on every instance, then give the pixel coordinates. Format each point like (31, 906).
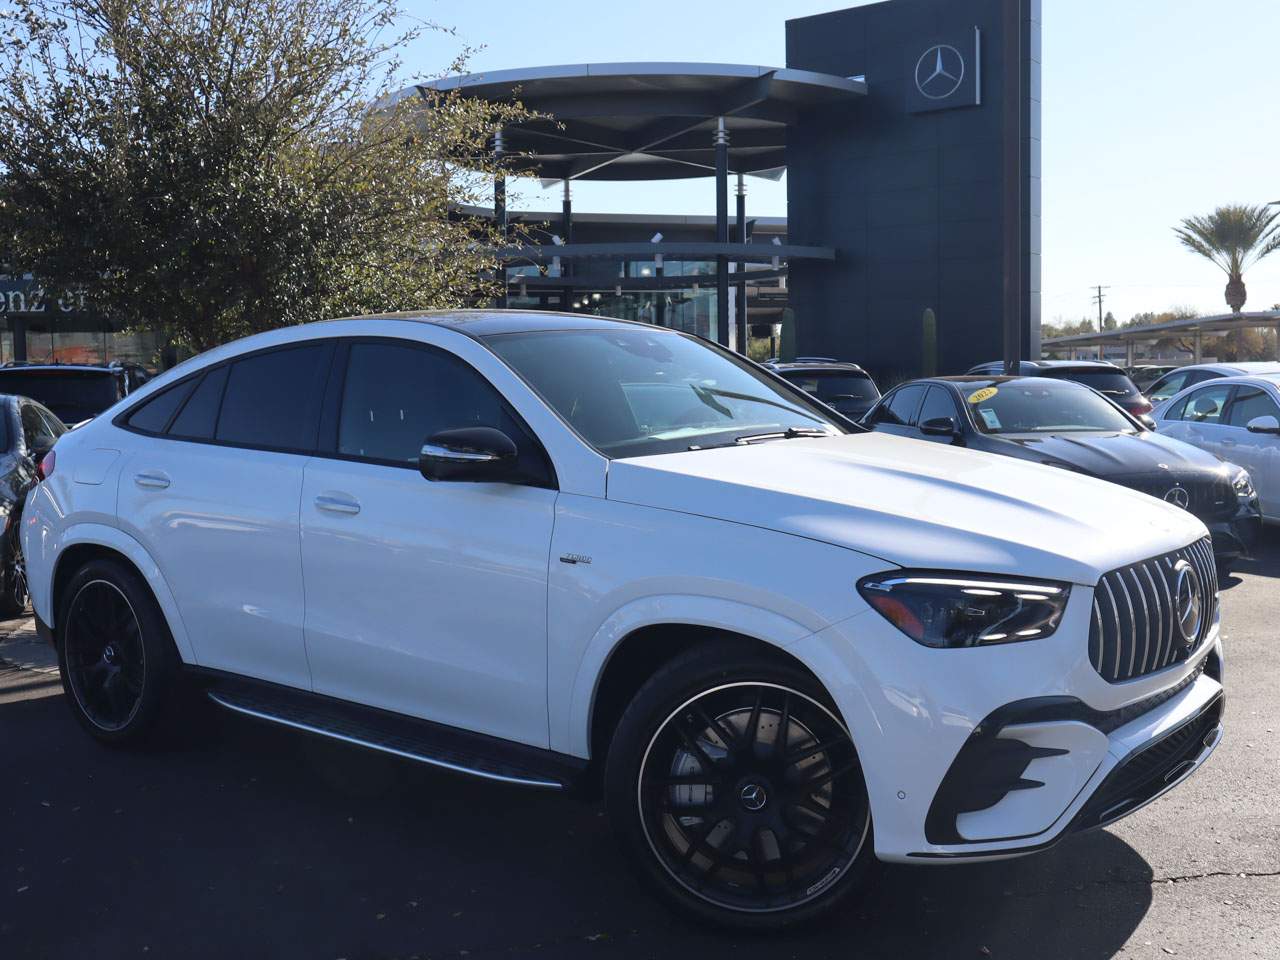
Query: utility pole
(1098, 298)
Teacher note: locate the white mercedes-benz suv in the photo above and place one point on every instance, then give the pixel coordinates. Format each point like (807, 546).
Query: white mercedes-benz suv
(563, 551)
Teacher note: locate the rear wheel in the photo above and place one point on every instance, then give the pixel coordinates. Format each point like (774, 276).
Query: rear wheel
(115, 653)
(13, 589)
(737, 790)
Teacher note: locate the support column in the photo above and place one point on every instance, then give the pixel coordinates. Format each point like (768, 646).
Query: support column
(722, 231)
(566, 230)
(500, 212)
(1198, 343)
(19, 326)
(660, 299)
(742, 267)
(1012, 185)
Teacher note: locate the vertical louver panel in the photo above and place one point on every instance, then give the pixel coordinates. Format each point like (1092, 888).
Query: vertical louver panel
(1136, 628)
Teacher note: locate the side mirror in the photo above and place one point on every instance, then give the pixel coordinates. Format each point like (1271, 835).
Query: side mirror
(1147, 421)
(939, 427)
(1267, 424)
(475, 454)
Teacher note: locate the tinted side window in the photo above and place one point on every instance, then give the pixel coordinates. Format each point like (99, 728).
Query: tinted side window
(937, 403)
(901, 408)
(35, 431)
(1168, 385)
(154, 414)
(395, 396)
(273, 399)
(56, 426)
(200, 416)
(1251, 402)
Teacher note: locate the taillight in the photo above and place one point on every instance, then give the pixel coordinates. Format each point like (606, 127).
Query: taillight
(1141, 406)
(44, 469)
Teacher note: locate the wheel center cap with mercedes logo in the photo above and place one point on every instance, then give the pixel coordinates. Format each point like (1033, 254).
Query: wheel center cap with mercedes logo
(753, 797)
(1179, 497)
(1188, 601)
(939, 72)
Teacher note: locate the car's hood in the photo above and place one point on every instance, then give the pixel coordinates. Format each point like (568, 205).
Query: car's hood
(915, 504)
(1116, 455)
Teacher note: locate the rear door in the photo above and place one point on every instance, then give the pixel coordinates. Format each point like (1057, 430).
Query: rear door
(1259, 453)
(211, 491)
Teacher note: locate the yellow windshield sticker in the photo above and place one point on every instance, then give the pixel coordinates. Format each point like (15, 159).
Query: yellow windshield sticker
(986, 393)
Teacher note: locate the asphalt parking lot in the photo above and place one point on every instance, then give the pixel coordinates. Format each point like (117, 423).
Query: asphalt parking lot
(233, 839)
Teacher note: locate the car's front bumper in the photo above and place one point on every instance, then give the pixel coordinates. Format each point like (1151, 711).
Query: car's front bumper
(995, 752)
(1234, 538)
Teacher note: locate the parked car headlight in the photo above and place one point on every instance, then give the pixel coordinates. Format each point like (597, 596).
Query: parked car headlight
(948, 610)
(1244, 485)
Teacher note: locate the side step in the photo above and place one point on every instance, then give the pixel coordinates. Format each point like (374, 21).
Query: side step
(408, 737)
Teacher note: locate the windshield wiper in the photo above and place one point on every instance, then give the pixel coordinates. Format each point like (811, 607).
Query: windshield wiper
(708, 394)
(791, 433)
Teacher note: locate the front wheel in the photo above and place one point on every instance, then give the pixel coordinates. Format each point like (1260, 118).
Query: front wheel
(736, 789)
(115, 654)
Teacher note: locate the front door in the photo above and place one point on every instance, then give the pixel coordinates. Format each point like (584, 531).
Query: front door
(1259, 453)
(1198, 418)
(425, 598)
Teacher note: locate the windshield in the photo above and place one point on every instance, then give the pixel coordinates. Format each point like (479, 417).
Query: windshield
(1042, 406)
(632, 393)
(1113, 383)
(834, 386)
(73, 395)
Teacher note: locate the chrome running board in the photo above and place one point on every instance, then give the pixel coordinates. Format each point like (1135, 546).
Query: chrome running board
(398, 736)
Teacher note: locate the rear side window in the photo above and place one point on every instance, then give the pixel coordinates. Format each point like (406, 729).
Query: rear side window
(937, 404)
(273, 399)
(36, 432)
(153, 415)
(901, 408)
(199, 417)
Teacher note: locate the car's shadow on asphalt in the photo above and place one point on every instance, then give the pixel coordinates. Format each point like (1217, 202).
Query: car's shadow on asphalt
(236, 839)
(1264, 559)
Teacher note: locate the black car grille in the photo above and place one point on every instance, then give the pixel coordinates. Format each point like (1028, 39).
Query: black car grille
(1135, 629)
(1210, 498)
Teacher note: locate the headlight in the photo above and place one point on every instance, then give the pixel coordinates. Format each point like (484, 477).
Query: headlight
(960, 610)
(1244, 486)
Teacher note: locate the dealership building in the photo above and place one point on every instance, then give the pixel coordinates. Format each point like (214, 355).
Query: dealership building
(909, 131)
(910, 134)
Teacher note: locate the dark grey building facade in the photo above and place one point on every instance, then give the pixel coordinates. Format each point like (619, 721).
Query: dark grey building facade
(906, 184)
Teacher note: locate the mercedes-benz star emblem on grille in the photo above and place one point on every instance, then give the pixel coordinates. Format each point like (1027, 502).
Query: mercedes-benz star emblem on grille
(939, 72)
(1179, 497)
(1188, 600)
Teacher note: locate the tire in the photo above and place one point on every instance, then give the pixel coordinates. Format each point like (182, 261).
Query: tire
(13, 583)
(115, 654)
(755, 833)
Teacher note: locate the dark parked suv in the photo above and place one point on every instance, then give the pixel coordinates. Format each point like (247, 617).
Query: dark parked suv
(844, 386)
(74, 391)
(1108, 379)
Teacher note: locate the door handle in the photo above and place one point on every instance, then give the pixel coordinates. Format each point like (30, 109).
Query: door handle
(331, 504)
(152, 481)
(1228, 442)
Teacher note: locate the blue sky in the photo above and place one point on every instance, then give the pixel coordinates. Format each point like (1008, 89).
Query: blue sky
(1153, 110)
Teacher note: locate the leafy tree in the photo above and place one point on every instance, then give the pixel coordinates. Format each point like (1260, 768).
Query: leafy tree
(1233, 238)
(1109, 321)
(214, 168)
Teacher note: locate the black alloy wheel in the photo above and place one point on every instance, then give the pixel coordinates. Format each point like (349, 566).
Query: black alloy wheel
(114, 651)
(750, 800)
(13, 599)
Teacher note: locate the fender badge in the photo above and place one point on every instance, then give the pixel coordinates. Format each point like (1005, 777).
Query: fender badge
(574, 558)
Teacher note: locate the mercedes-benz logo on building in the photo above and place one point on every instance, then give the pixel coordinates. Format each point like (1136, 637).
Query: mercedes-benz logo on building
(939, 72)
(1188, 600)
(1179, 497)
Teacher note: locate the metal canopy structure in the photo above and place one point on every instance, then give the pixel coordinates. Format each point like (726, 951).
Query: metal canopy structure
(650, 121)
(1194, 328)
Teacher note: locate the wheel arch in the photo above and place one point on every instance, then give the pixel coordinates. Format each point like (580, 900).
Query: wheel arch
(638, 655)
(85, 542)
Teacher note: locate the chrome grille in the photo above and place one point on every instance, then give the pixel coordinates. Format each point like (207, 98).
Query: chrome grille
(1135, 624)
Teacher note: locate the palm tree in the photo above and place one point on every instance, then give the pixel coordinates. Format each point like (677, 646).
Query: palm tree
(1235, 238)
